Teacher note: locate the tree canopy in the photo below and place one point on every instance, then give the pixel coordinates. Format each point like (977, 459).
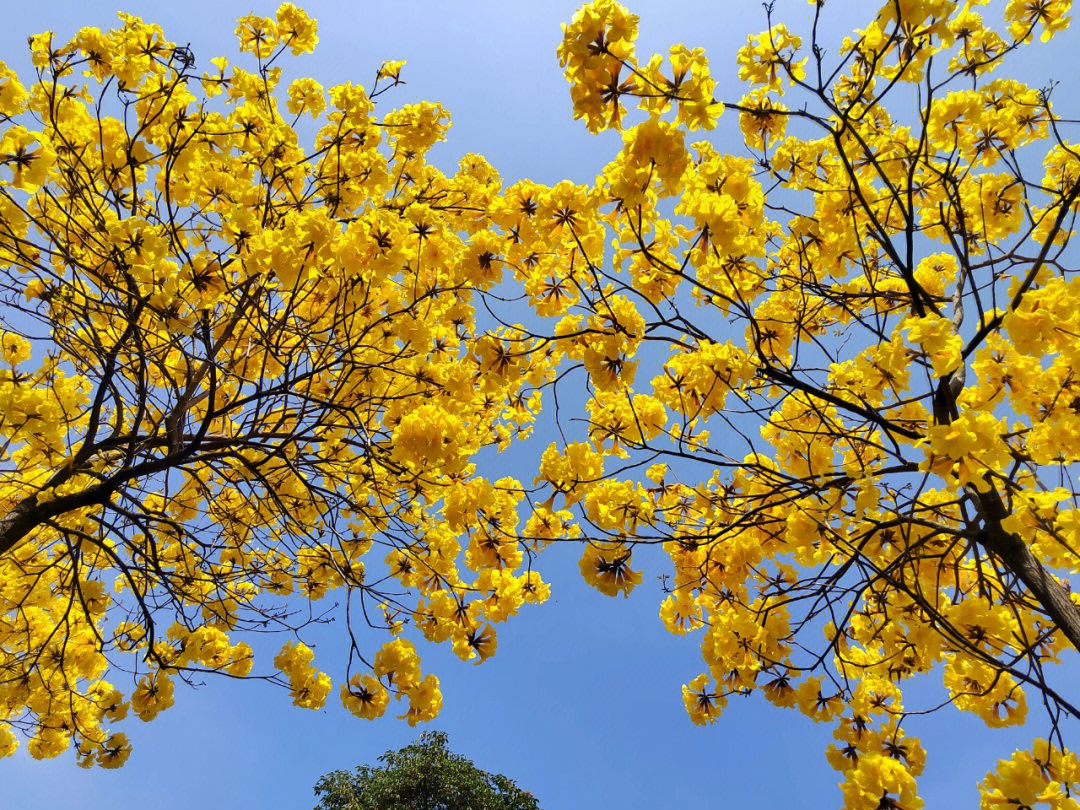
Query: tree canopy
(832, 375)
(234, 365)
(425, 775)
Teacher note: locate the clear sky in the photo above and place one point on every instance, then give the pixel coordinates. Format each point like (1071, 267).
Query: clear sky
(582, 703)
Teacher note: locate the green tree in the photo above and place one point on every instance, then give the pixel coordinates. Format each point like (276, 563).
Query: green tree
(422, 776)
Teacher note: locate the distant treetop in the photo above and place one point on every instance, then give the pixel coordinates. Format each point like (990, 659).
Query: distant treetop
(422, 776)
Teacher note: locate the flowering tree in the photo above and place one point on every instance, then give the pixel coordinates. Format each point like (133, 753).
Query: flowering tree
(832, 376)
(234, 365)
(835, 375)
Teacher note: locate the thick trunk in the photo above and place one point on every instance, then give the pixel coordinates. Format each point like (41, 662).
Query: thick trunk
(28, 514)
(19, 522)
(1017, 557)
(1049, 593)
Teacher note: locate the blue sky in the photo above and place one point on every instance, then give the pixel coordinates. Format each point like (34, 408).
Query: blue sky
(582, 703)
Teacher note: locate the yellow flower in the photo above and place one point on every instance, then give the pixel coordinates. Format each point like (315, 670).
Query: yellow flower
(28, 155)
(425, 701)
(702, 704)
(938, 338)
(153, 695)
(296, 29)
(365, 697)
(114, 751)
